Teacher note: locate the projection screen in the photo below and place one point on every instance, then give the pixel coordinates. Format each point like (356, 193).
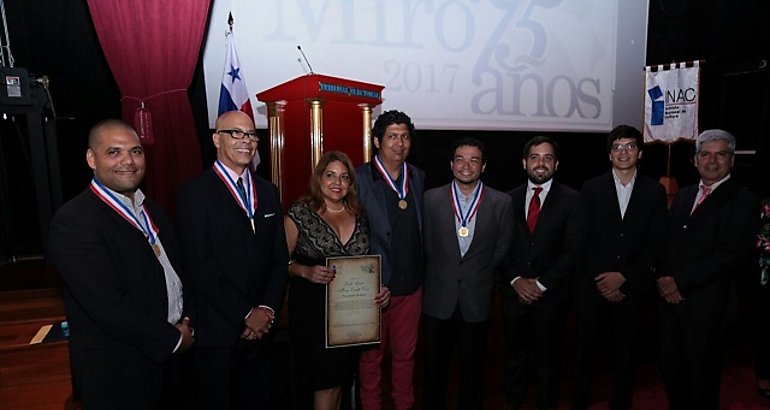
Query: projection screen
(546, 65)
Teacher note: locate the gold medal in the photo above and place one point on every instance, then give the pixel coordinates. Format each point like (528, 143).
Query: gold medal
(463, 232)
(402, 204)
(156, 249)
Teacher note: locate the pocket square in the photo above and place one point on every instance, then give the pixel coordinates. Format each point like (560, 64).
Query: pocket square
(269, 215)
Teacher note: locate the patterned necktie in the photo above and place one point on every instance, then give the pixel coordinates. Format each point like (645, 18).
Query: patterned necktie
(706, 190)
(534, 209)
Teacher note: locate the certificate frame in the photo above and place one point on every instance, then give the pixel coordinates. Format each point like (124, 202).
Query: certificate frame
(351, 316)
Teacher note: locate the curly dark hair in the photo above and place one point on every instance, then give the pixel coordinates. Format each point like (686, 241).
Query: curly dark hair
(389, 118)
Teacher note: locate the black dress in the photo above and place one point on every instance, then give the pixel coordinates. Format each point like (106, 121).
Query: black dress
(315, 366)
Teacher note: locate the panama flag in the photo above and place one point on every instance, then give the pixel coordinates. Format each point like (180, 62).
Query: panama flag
(233, 94)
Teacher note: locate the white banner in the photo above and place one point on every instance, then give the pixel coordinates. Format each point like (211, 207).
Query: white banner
(671, 102)
(543, 65)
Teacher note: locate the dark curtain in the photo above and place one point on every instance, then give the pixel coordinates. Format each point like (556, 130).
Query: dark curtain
(152, 48)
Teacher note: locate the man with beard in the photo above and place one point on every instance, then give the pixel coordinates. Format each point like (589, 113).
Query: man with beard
(542, 258)
(623, 223)
(712, 226)
(118, 256)
(468, 230)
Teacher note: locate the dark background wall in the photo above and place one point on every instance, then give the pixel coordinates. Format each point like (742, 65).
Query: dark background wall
(57, 38)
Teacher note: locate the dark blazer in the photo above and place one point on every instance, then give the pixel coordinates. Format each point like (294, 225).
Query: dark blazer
(451, 279)
(552, 252)
(231, 268)
(631, 245)
(708, 248)
(116, 301)
(371, 196)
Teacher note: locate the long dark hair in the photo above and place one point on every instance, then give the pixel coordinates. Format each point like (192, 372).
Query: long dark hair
(315, 199)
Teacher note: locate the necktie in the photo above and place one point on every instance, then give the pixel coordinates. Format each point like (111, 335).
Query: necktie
(534, 209)
(706, 190)
(241, 190)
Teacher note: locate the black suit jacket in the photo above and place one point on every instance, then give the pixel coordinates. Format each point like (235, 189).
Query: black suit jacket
(116, 300)
(708, 248)
(231, 268)
(371, 196)
(631, 245)
(552, 252)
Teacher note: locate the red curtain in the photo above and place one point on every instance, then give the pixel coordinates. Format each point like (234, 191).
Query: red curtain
(152, 48)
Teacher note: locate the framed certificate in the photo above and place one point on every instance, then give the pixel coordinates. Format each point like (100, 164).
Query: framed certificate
(352, 317)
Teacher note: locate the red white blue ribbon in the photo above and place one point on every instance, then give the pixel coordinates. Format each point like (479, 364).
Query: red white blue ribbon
(248, 204)
(478, 194)
(402, 190)
(148, 228)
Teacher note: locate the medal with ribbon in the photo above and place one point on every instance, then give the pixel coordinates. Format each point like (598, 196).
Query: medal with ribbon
(402, 190)
(466, 217)
(145, 224)
(247, 201)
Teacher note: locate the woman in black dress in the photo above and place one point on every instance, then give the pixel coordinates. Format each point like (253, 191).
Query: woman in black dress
(326, 222)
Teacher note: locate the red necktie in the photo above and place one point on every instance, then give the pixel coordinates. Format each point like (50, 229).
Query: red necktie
(706, 190)
(534, 209)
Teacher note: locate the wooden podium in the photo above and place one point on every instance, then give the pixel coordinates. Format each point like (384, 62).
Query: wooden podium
(313, 114)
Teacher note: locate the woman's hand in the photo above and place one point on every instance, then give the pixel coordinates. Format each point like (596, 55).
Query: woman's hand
(318, 274)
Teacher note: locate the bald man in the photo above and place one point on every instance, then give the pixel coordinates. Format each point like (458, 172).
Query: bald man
(231, 226)
(117, 254)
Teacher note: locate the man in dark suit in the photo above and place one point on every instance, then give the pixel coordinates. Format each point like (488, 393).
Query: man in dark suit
(468, 230)
(231, 228)
(544, 254)
(711, 228)
(390, 191)
(116, 251)
(623, 220)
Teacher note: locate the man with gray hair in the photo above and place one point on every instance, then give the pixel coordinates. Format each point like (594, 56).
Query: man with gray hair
(711, 228)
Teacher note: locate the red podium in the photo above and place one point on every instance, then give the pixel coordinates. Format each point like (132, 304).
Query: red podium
(313, 114)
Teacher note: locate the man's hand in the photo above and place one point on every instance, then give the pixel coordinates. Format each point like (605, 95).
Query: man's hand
(615, 296)
(188, 334)
(382, 298)
(527, 289)
(257, 323)
(608, 283)
(668, 289)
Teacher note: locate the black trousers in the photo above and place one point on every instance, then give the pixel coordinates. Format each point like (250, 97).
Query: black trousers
(534, 335)
(625, 318)
(235, 378)
(690, 358)
(440, 338)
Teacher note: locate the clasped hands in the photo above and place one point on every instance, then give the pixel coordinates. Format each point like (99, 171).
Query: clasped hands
(258, 323)
(527, 289)
(608, 284)
(668, 290)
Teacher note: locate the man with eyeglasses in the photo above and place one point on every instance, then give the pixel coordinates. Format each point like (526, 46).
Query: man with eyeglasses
(623, 220)
(231, 228)
(711, 227)
(468, 231)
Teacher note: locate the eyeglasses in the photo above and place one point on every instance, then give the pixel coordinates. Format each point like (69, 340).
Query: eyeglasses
(240, 134)
(631, 146)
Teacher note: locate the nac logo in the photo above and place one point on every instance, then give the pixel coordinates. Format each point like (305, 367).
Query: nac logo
(658, 105)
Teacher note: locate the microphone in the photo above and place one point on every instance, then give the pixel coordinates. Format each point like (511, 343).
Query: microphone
(306, 60)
